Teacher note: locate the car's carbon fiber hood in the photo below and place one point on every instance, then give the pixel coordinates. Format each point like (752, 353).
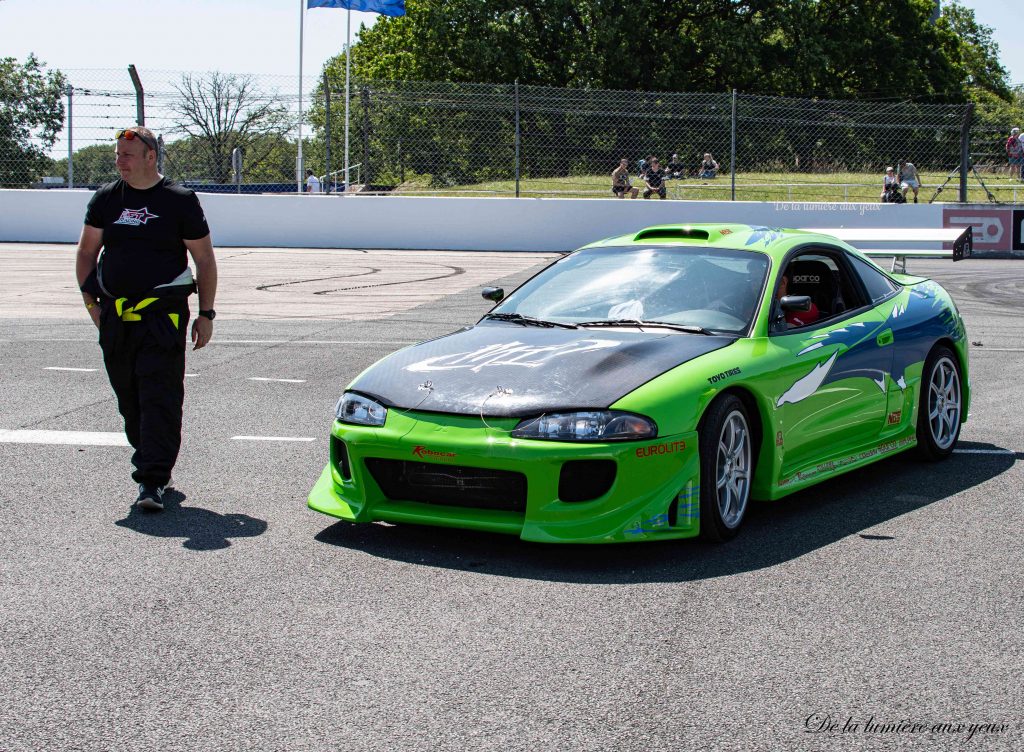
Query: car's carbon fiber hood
(511, 370)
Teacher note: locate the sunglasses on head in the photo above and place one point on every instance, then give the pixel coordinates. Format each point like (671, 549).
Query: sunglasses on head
(129, 135)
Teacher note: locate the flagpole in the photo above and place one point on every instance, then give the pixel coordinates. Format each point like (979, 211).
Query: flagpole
(298, 159)
(348, 68)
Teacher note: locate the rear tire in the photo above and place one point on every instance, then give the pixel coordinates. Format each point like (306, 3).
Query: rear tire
(726, 468)
(941, 405)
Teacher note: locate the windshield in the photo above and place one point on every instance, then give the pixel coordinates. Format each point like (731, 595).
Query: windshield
(716, 289)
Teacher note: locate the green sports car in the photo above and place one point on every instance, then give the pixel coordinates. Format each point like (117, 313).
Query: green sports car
(649, 386)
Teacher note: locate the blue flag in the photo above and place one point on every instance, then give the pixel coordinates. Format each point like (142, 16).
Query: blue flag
(384, 7)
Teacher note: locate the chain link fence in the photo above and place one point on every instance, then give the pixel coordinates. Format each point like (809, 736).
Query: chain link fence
(237, 132)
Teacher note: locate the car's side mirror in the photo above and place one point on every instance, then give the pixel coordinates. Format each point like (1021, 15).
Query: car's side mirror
(795, 303)
(497, 294)
(785, 304)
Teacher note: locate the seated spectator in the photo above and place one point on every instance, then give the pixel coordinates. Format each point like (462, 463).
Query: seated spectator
(655, 179)
(620, 181)
(642, 166)
(891, 192)
(1015, 153)
(313, 184)
(909, 179)
(708, 168)
(675, 169)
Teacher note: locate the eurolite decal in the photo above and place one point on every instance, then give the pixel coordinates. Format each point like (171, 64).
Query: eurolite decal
(670, 447)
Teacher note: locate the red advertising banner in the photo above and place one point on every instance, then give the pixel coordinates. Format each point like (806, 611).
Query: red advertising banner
(994, 229)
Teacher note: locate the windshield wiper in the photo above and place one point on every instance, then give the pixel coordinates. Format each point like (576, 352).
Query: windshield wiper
(688, 328)
(518, 318)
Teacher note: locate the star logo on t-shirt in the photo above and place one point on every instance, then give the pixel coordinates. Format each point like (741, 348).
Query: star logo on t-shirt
(135, 217)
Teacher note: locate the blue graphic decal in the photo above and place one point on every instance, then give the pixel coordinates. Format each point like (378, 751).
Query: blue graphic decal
(763, 234)
(654, 524)
(917, 324)
(917, 321)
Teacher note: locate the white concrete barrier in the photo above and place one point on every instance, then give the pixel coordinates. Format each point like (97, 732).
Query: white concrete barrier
(486, 224)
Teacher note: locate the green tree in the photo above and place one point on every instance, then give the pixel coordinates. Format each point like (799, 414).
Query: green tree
(31, 116)
(976, 53)
(218, 113)
(829, 48)
(94, 164)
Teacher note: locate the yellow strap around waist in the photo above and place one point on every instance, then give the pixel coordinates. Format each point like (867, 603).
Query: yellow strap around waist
(130, 313)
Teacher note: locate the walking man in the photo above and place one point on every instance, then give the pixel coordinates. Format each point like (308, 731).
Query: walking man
(137, 292)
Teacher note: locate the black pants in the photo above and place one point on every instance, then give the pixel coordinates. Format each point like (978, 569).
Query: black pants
(145, 362)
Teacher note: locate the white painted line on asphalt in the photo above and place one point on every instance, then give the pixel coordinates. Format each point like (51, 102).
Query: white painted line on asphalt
(996, 349)
(983, 451)
(190, 375)
(79, 438)
(272, 438)
(81, 370)
(285, 381)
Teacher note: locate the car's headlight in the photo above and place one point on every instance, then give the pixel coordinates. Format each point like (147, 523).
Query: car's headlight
(360, 410)
(596, 425)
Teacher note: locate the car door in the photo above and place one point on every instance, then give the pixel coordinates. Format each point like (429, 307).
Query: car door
(830, 396)
(891, 300)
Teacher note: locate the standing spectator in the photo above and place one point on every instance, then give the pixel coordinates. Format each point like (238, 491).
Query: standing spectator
(675, 169)
(620, 181)
(312, 183)
(137, 295)
(1015, 153)
(909, 179)
(708, 168)
(1020, 139)
(655, 180)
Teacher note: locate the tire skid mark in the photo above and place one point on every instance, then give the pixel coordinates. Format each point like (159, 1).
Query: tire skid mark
(264, 288)
(455, 272)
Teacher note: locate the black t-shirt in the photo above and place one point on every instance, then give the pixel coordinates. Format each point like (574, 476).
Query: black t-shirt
(143, 233)
(654, 178)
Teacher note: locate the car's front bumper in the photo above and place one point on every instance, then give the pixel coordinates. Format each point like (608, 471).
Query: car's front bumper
(654, 494)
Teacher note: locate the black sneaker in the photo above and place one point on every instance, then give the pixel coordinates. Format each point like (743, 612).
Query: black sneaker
(150, 497)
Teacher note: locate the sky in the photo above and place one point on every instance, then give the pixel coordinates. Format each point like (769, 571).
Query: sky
(255, 36)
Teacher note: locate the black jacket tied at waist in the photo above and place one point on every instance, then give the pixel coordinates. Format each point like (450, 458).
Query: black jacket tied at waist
(163, 311)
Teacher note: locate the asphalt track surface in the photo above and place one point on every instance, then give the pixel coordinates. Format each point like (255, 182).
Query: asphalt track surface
(240, 620)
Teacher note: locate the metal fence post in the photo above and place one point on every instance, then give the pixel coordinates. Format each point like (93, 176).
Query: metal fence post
(327, 128)
(732, 155)
(71, 133)
(368, 179)
(140, 96)
(965, 150)
(236, 167)
(517, 137)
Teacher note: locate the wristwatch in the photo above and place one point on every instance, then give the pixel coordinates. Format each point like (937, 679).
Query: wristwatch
(211, 314)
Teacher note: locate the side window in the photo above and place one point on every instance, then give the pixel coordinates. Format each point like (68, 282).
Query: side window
(827, 282)
(877, 284)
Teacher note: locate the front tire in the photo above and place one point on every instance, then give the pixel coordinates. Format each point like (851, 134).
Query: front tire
(941, 405)
(726, 469)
